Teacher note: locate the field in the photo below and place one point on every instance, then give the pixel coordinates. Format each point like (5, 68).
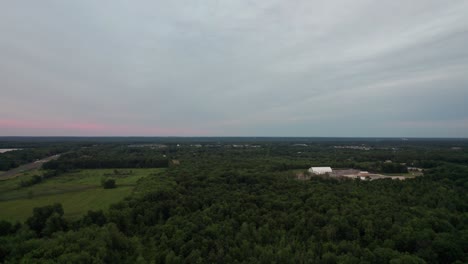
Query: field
(78, 192)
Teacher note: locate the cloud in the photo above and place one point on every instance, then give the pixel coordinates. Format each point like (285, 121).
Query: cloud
(251, 68)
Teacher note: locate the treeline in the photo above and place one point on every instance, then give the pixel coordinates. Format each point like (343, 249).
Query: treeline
(426, 156)
(286, 156)
(109, 157)
(12, 159)
(90, 163)
(36, 179)
(377, 167)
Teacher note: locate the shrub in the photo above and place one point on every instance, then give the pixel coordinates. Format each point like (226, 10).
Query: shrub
(108, 183)
(32, 181)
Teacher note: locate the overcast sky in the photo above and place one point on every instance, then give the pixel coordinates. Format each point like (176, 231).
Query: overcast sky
(234, 68)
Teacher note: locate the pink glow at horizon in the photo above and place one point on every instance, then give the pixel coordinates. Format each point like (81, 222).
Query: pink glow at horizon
(95, 129)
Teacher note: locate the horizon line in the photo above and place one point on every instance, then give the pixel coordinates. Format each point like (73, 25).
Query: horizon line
(374, 137)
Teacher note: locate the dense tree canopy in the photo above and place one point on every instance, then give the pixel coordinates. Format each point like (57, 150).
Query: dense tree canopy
(229, 205)
(109, 157)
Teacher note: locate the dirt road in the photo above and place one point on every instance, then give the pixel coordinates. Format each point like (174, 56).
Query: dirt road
(26, 167)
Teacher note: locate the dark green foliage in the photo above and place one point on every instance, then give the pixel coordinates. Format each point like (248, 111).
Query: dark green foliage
(244, 205)
(88, 245)
(13, 159)
(109, 157)
(108, 183)
(95, 217)
(6, 228)
(54, 223)
(31, 181)
(47, 220)
(50, 174)
(393, 168)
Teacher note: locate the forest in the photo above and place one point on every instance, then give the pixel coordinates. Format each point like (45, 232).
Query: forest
(239, 201)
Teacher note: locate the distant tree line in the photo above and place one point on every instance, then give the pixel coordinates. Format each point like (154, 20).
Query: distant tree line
(109, 157)
(13, 159)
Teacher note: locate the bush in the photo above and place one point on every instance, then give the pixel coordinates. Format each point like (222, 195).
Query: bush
(5, 228)
(32, 181)
(47, 219)
(108, 183)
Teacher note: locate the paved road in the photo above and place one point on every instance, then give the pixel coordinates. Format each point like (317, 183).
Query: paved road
(26, 167)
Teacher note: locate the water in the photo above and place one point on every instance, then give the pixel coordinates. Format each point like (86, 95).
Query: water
(7, 150)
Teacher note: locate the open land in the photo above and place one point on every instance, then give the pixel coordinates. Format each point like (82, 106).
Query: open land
(78, 192)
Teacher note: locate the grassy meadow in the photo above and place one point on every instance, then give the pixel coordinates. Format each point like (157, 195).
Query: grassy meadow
(78, 192)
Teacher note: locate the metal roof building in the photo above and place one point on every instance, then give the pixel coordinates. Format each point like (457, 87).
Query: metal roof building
(320, 170)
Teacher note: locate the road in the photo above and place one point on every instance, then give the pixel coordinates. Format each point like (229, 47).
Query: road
(26, 167)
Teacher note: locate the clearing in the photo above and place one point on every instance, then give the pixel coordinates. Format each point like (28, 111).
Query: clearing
(78, 192)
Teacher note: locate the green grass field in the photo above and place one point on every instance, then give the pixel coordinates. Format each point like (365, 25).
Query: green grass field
(78, 192)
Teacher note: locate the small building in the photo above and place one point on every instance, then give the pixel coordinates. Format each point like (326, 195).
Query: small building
(320, 170)
(414, 169)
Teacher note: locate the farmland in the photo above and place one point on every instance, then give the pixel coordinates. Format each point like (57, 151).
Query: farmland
(78, 192)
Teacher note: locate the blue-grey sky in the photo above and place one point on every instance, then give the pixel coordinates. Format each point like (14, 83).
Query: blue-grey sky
(234, 68)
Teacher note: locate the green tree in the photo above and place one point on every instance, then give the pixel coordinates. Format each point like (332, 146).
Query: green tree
(41, 215)
(108, 183)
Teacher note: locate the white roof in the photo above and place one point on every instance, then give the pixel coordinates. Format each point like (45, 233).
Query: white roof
(320, 170)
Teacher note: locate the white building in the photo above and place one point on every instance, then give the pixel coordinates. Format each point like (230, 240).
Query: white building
(320, 170)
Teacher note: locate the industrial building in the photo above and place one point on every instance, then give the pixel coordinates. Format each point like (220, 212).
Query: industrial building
(320, 170)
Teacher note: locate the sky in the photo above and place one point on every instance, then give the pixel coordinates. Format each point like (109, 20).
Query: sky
(347, 68)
